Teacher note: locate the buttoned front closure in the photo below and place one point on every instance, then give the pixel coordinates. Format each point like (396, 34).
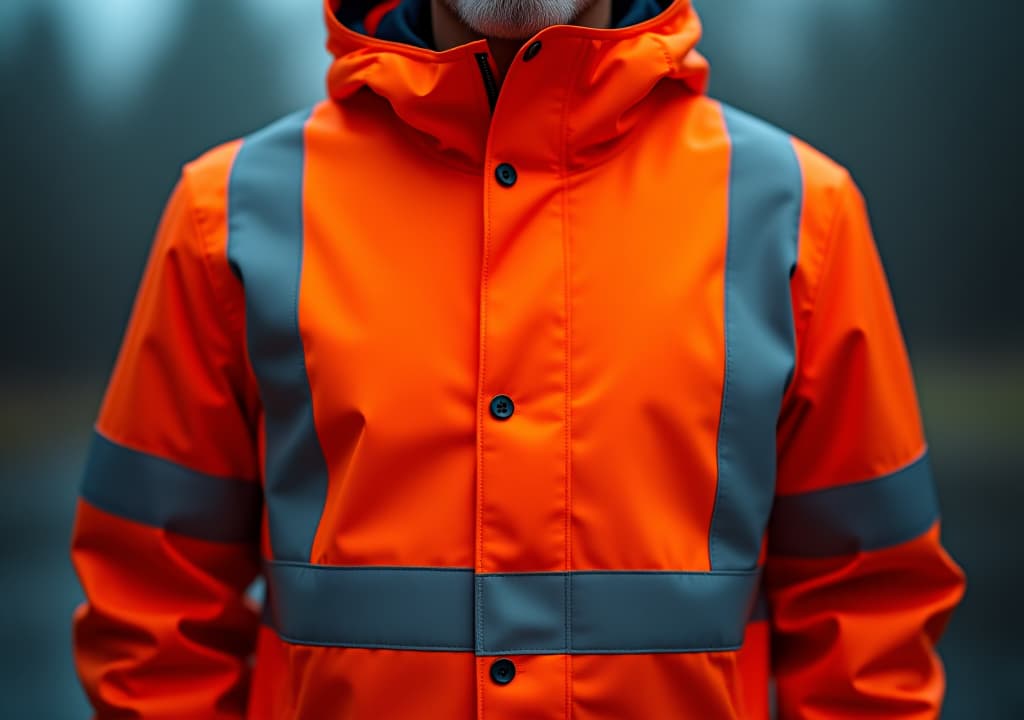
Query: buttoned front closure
(503, 671)
(506, 175)
(525, 324)
(517, 278)
(502, 407)
(523, 475)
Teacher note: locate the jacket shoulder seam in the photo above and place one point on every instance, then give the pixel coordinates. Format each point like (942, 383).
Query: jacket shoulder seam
(232, 314)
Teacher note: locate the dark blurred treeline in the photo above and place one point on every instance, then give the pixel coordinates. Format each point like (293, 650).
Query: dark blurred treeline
(82, 194)
(918, 98)
(922, 100)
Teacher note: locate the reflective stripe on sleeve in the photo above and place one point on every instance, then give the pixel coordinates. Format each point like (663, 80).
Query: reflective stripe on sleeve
(153, 491)
(863, 516)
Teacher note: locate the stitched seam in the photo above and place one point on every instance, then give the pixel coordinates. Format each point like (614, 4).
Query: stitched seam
(797, 221)
(611, 650)
(383, 646)
(567, 369)
(818, 492)
(509, 651)
(383, 568)
(720, 490)
(480, 616)
(827, 253)
(484, 268)
(303, 364)
(115, 439)
(233, 315)
(710, 574)
(669, 63)
(483, 362)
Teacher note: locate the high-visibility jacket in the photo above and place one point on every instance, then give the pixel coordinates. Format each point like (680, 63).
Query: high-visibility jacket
(585, 399)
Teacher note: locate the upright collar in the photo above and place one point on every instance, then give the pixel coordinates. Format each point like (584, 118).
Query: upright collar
(582, 93)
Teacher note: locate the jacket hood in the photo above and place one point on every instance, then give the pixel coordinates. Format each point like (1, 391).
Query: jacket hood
(597, 78)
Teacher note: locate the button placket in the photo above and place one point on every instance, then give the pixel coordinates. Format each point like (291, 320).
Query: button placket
(523, 348)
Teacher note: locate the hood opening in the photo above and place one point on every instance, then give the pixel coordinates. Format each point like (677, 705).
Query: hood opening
(606, 74)
(408, 21)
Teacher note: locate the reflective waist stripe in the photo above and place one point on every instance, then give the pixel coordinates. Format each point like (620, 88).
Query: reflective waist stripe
(454, 609)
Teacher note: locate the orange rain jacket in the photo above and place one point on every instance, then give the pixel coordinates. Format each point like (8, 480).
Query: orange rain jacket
(590, 405)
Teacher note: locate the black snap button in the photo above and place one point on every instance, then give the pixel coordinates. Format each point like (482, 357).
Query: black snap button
(502, 671)
(502, 407)
(506, 174)
(531, 52)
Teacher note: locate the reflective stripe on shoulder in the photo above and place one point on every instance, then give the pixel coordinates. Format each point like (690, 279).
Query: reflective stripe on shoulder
(765, 205)
(457, 610)
(153, 491)
(870, 515)
(266, 235)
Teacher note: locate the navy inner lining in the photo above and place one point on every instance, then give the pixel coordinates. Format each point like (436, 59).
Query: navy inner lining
(410, 23)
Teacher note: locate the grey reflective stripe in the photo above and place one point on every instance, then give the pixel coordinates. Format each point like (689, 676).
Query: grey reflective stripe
(765, 202)
(521, 613)
(870, 515)
(265, 247)
(162, 494)
(373, 607)
(614, 612)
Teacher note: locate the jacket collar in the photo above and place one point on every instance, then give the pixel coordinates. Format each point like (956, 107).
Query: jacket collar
(594, 88)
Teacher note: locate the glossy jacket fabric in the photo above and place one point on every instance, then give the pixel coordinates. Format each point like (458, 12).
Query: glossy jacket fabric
(592, 404)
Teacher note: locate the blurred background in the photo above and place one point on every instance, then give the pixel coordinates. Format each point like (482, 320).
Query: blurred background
(101, 101)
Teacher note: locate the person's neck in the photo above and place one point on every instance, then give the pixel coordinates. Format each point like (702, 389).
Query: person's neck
(450, 31)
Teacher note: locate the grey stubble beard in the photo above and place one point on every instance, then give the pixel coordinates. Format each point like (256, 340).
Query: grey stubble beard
(516, 19)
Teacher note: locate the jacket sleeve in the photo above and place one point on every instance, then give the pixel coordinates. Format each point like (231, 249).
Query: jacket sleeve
(858, 584)
(165, 540)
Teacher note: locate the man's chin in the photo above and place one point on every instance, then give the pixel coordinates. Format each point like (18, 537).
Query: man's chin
(491, 19)
(510, 32)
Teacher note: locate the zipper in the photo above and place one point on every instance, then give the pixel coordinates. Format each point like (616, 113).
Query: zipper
(490, 84)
